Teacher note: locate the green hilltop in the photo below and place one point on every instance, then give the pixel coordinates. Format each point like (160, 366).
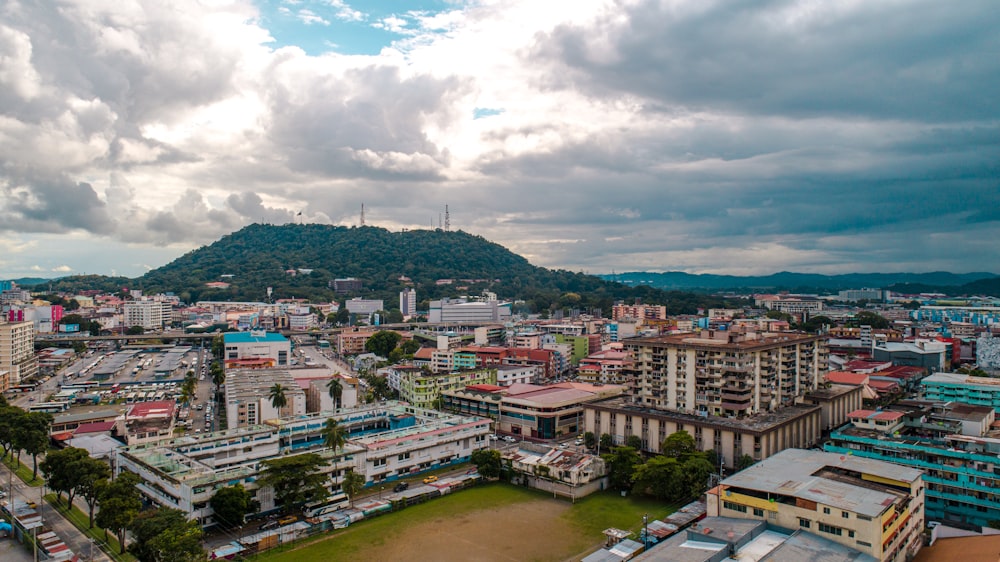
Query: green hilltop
(261, 256)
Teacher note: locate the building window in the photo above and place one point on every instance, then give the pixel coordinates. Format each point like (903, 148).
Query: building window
(378, 462)
(758, 512)
(850, 534)
(826, 510)
(863, 543)
(830, 529)
(845, 515)
(735, 506)
(804, 523)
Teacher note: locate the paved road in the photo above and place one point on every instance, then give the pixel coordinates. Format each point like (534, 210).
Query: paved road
(77, 541)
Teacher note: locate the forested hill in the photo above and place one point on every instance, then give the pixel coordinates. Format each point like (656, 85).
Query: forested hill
(260, 256)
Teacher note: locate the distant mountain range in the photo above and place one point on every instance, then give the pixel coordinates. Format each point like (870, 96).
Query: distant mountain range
(978, 283)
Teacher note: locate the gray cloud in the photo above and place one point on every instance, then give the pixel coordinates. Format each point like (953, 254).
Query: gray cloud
(706, 136)
(921, 60)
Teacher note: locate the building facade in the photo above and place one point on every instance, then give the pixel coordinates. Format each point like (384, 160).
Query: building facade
(385, 441)
(955, 387)
(758, 437)
(871, 506)
(257, 345)
(17, 351)
(961, 472)
(248, 400)
(725, 373)
(423, 389)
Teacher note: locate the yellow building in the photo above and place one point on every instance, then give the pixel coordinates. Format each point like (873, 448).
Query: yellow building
(872, 506)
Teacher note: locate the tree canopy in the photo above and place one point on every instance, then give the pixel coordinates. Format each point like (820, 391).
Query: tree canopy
(230, 505)
(295, 479)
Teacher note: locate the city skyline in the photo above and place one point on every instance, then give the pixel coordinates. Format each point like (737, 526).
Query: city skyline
(726, 137)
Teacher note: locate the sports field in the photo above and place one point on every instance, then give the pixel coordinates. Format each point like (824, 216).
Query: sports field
(490, 522)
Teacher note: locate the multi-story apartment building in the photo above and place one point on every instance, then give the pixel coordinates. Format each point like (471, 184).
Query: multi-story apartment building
(364, 307)
(463, 311)
(638, 312)
(968, 389)
(423, 389)
(852, 295)
(867, 505)
(148, 313)
(408, 302)
(17, 351)
(184, 473)
(248, 401)
(508, 375)
(725, 373)
(947, 442)
(445, 360)
(605, 367)
(352, 343)
(346, 285)
(789, 304)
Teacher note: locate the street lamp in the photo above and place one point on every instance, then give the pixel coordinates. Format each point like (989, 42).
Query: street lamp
(645, 531)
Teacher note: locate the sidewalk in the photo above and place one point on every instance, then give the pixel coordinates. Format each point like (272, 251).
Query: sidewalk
(52, 519)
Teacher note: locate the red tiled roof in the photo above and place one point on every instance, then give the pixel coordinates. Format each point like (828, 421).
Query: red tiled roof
(484, 387)
(889, 416)
(860, 413)
(160, 408)
(95, 427)
(884, 386)
(841, 377)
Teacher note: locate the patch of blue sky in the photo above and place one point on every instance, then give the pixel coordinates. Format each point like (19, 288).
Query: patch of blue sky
(342, 26)
(481, 112)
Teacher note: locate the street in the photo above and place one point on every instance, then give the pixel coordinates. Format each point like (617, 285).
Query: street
(69, 534)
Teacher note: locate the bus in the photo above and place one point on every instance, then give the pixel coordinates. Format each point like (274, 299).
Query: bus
(51, 407)
(329, 505)
(24, 387)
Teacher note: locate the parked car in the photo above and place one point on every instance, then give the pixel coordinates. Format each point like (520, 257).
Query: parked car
(287, 520)
(430, 479)
(400, 487)
(272, 524)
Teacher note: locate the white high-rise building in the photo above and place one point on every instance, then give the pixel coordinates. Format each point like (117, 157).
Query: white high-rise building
(408, 302)
(17, 352)
(145, 313)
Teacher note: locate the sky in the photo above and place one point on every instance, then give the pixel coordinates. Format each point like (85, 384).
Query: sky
(737, 137)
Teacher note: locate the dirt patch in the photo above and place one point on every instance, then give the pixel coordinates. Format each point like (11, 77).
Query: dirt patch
(525, 531)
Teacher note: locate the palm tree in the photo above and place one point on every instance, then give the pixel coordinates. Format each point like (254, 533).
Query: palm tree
(277, 396)
(352, 484)
(336, 390)
(334, 435)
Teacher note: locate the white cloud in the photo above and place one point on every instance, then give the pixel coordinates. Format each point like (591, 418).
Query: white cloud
(62, 269)
(633, 134)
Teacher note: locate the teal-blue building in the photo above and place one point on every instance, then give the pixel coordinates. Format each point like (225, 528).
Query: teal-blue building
(956, 387)
(961, 472)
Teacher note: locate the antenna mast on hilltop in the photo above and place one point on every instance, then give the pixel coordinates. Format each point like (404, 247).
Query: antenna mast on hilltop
(362, 214)
(447, 219)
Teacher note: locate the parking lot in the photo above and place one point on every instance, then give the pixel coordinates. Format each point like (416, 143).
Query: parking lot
(132, 375)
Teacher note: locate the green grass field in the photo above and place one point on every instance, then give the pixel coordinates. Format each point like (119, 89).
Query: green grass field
(487, 521)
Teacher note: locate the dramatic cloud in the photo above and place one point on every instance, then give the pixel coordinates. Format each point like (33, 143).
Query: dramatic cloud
(714, 136)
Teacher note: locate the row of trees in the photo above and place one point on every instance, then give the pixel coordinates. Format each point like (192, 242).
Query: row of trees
(679, 473)
(24, 432)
